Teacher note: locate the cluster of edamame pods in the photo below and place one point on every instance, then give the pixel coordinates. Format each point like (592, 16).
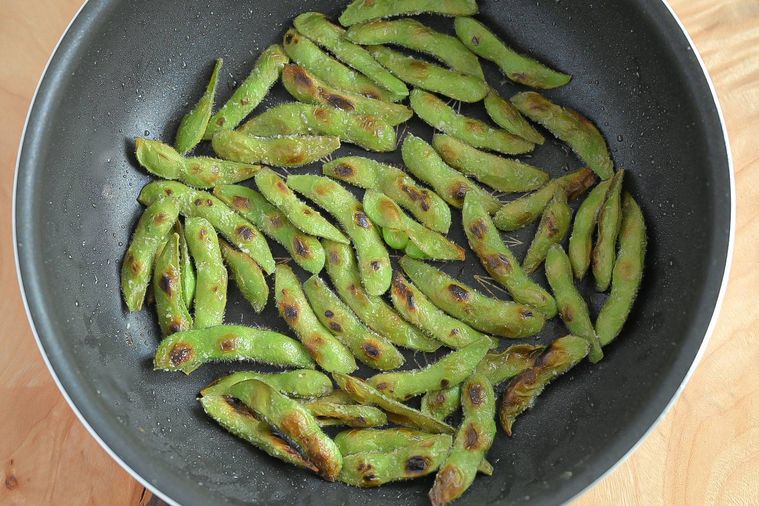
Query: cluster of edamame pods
(200, 226)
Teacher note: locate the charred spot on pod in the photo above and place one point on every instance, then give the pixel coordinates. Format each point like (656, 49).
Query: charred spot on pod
(276, 221)
(444, 383)
(370, 350)
(289, 37)
(159, 218)
(475, 126)
(180, 354)
(475, 40)
(382, 386)
(238, 406)
(203, 202)
(220, 121)
(567, 314)
(281, 186)
(343, 170)
(471, 437)
(375, 264)
(166, 283)
(228, 344)
(134, 265)
(177, 325)
(417, 464)
(476, 394)
(360, 219)
(423, 197)
(525, 313)
(439, 399)
(498, 262)
(328, 313)
(458, 190)
(455, 332)
(334, 258)
(353, 289)
(245, 232)
(300, 76)
(241, 202)
(289, 311)
(301, 248)
(552, 227)
(478, 228)
(202, 233)
(337, 101)
(321, 113)
(459, 293)
(336, 327)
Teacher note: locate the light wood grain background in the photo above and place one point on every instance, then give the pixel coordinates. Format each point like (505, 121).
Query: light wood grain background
(705, 451)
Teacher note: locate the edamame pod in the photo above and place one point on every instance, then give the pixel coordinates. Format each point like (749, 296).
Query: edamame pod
(439, 115)
(293, 421)
(167, 282)
(350, 415)
(505, 115)
(186, 351)
(368, 347)
(398, 413)
(500, 262)
(569, 126)
(327, 351)
(379, 440)
(473, 439)
(517, 67)
(375, 469)
(234, 228)
(365, 10)
(331, 37)
(562, 355)
(247, 275)
(581, 239)
(250, 92)
(373, 311)
(193, 125)
(280, 151)
(450, 370)
(423, 161)
(303, 383)
(414, 252)
(572, 307)
(385, 213)
(441, 403)
(552, 229)
(373, 259)
(524, 210)
(609, 222)
(302, 216)
(306, 87)
(396, 239)
(239, 420)
(431, 77)
(492, 316)
(627, 275)
(416, 308)
(307, 54)
(424, 204)
(412, 34)
(306, 250)
(187, 270)
(211, 283)
(499, 173)
(296, 118)
(149, 235)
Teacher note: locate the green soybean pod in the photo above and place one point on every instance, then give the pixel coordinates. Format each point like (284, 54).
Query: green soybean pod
(413, 251)
(149, 234)
(187, 350)
(307, 54)
(331, 37)
(187, 270)
(302, 383)
(373, 259)
(239, 420)
(194, 123)
(505, 115)
(522, 211)
(306, 250)
(301, 215)
(423, 161)
(306, 87)
(573, 309)
(379, 440)
(366, 10)
(293, 421)
(609, 223)
(627, 274)
(500, 262)
(497, 172)
(569, 126)
(450, 370)
(250, 92)
(369, 348)
(498, 367)
(387, 214)
(373, 311)
(519, 68)
(412, 34)
(552, 229)
(581, 238)
(374, 469)
(247, 275)
(350, 415)
(211, 284)
(473, 439)
(440, 116)
(280, 151)
(431, 77)
(172, 312)
(398, 413)
(489, 315)
(396, 239)
(295, 118)
(562, 355)
(424, 204)
(417, 309)
(228, 223)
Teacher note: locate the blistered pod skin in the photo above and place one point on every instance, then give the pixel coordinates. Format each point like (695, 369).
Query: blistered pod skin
(211, 283)
(552, 229)
(171, 310)
(366, 10)
(280, 151)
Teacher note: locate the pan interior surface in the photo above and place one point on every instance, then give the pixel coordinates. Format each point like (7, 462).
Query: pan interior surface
(133, 68)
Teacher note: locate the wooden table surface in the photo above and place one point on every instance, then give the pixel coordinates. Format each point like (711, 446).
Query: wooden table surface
(705, 451)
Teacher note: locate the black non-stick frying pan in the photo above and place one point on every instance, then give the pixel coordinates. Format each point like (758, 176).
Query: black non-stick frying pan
(129, 68)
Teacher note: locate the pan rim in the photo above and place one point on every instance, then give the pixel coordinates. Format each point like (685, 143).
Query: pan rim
(653, 424)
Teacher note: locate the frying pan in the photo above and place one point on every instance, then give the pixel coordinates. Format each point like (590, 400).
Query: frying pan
(131, 68)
